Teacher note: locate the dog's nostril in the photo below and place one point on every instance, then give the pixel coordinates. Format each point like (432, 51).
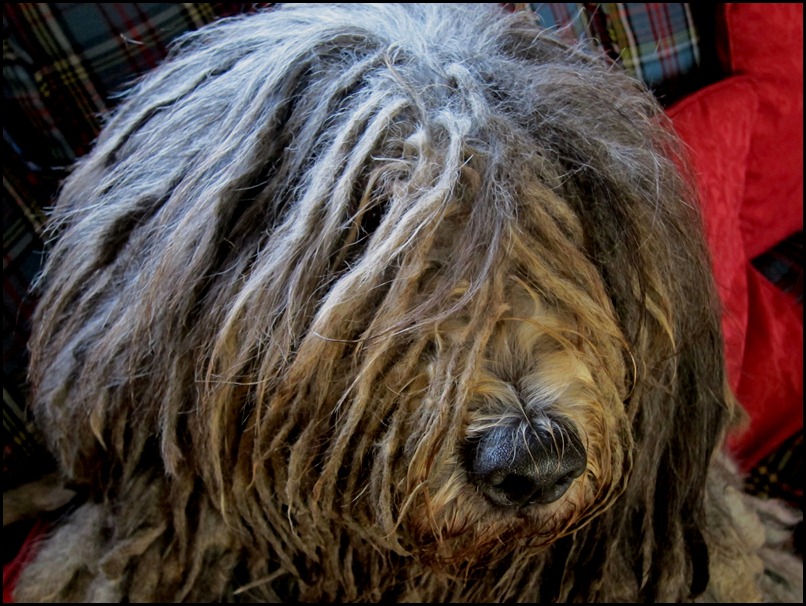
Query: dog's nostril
(516, 465)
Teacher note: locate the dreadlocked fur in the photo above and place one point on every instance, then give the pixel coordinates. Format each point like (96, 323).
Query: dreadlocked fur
(321, 251)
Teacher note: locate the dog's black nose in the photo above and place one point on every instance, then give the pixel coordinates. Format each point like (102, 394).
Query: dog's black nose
(523, 464)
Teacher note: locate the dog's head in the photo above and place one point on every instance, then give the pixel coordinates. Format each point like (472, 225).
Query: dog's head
(388, 284)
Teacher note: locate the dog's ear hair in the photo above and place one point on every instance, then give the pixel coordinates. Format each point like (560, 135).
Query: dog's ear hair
(697, 417)
(687, 396)
(646, 239)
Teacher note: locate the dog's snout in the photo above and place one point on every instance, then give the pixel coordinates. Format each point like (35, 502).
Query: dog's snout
(523, 464)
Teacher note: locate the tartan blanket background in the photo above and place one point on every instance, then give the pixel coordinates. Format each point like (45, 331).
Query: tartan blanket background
(64, 64)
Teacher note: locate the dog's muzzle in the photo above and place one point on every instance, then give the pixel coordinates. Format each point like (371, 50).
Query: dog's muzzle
(526, 463)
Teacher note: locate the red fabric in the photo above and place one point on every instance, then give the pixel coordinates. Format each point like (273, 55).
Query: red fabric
(771, 386)
(763, 327)
(765, 41)
(11, 571)
(716, 123)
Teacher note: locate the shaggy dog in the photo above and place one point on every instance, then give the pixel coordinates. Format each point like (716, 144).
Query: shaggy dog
(400, 302)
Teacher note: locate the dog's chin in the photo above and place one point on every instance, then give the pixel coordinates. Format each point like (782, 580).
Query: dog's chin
(460, 527)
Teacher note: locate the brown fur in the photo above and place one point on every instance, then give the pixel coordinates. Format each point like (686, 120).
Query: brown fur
(319, 251)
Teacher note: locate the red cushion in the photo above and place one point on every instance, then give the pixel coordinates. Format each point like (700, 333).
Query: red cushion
(771, 386)
(716, 123)
(765, 41)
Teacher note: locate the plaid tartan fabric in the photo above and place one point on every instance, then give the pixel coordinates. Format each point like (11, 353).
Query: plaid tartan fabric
(783, 266)
(23, 219)
(780, 476)
(655, 42)
(63, 63)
